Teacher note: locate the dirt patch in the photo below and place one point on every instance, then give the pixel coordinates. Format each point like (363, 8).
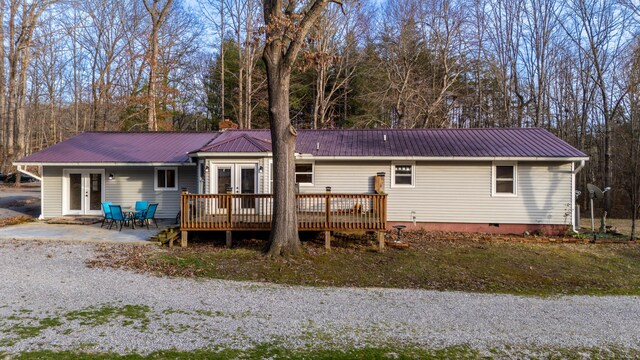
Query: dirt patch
(138, 258)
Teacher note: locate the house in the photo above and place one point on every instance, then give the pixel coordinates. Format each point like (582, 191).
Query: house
(503, 180)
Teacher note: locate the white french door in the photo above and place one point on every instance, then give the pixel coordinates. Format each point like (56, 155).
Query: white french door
(236, 179)
(82, 192)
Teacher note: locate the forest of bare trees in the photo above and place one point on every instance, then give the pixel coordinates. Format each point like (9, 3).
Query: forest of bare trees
(572, 67)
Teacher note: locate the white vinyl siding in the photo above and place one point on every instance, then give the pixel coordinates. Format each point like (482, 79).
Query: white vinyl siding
(458, 192)
(52, 191)
(130, 183)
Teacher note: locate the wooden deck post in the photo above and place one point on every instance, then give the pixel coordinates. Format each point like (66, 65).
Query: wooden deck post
(327, 207)
(183, 239)
(327, 239)
(381, 241)
(229, 210)
(229, 239)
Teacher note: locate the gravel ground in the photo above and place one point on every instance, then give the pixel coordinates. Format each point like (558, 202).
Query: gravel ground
(50, 300)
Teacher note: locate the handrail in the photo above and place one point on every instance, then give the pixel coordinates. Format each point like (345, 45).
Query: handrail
(329, 211)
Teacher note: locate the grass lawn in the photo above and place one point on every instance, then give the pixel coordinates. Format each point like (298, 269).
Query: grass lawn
(480, 265)
(275, 352)
(623, 226)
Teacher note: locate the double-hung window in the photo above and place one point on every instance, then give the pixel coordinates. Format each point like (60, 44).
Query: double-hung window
(505, 177)
(166, 178)
(304, 173)
(403, 175)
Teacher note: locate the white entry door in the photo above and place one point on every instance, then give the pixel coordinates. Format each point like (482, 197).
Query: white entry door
(83, 192)
(236, 179)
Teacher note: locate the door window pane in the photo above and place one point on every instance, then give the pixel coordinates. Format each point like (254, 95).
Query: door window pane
(75, 192)
(248, 186)
(224, 180)
(95, 195)
(248, 181)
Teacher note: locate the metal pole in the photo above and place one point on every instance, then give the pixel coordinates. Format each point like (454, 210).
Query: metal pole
(593, 225)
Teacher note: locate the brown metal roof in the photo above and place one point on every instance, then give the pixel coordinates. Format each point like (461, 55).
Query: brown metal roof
(172, 147)
(125, 147)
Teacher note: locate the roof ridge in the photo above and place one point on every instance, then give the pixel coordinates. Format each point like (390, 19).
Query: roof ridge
(149, 132)
(253, 141)
(235, 137)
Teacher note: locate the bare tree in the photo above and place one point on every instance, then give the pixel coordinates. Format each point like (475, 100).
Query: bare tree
(23, 19)
(601, 25)
(158, 14)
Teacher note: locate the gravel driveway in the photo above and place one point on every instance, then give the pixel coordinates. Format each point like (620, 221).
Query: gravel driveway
(49, 299)
(19, 201)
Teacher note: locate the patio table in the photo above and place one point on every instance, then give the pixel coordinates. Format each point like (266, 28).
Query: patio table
(129, 211)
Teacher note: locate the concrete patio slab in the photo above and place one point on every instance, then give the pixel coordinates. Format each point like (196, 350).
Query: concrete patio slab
(80, 233)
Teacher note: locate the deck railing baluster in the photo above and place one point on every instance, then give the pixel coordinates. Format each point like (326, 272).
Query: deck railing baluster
(329, 211)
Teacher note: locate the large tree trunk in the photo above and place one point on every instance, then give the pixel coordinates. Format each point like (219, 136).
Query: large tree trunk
(3, 119)
(284, 226)
(280, 52)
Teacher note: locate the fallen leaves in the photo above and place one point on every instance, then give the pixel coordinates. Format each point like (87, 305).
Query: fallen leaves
(15, 220)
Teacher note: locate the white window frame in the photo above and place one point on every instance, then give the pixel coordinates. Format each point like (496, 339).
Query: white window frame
(413, 174)
(494, 179)
(313, 172)
(269, 173)
(155, 178)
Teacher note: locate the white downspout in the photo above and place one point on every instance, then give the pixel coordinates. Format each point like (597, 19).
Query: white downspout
(573, 193)
(41, 179)
(29, 173)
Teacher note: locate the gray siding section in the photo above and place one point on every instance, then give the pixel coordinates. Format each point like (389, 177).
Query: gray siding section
(52, 191)
(458, 191)
(131, 183)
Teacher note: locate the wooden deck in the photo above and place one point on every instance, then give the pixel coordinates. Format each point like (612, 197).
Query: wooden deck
(316, 212)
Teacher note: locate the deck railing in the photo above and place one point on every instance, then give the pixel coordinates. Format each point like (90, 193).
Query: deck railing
(253, 211)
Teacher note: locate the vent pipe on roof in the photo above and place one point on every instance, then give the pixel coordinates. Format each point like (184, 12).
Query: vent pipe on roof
(384, 137)
(317, 146)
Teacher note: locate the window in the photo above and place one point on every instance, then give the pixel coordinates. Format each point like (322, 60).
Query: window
(304, 174)
(504, 179)
(166, 179)
(403, 175)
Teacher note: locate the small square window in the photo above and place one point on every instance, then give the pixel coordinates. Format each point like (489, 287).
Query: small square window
(403, 175)
(304, 173)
